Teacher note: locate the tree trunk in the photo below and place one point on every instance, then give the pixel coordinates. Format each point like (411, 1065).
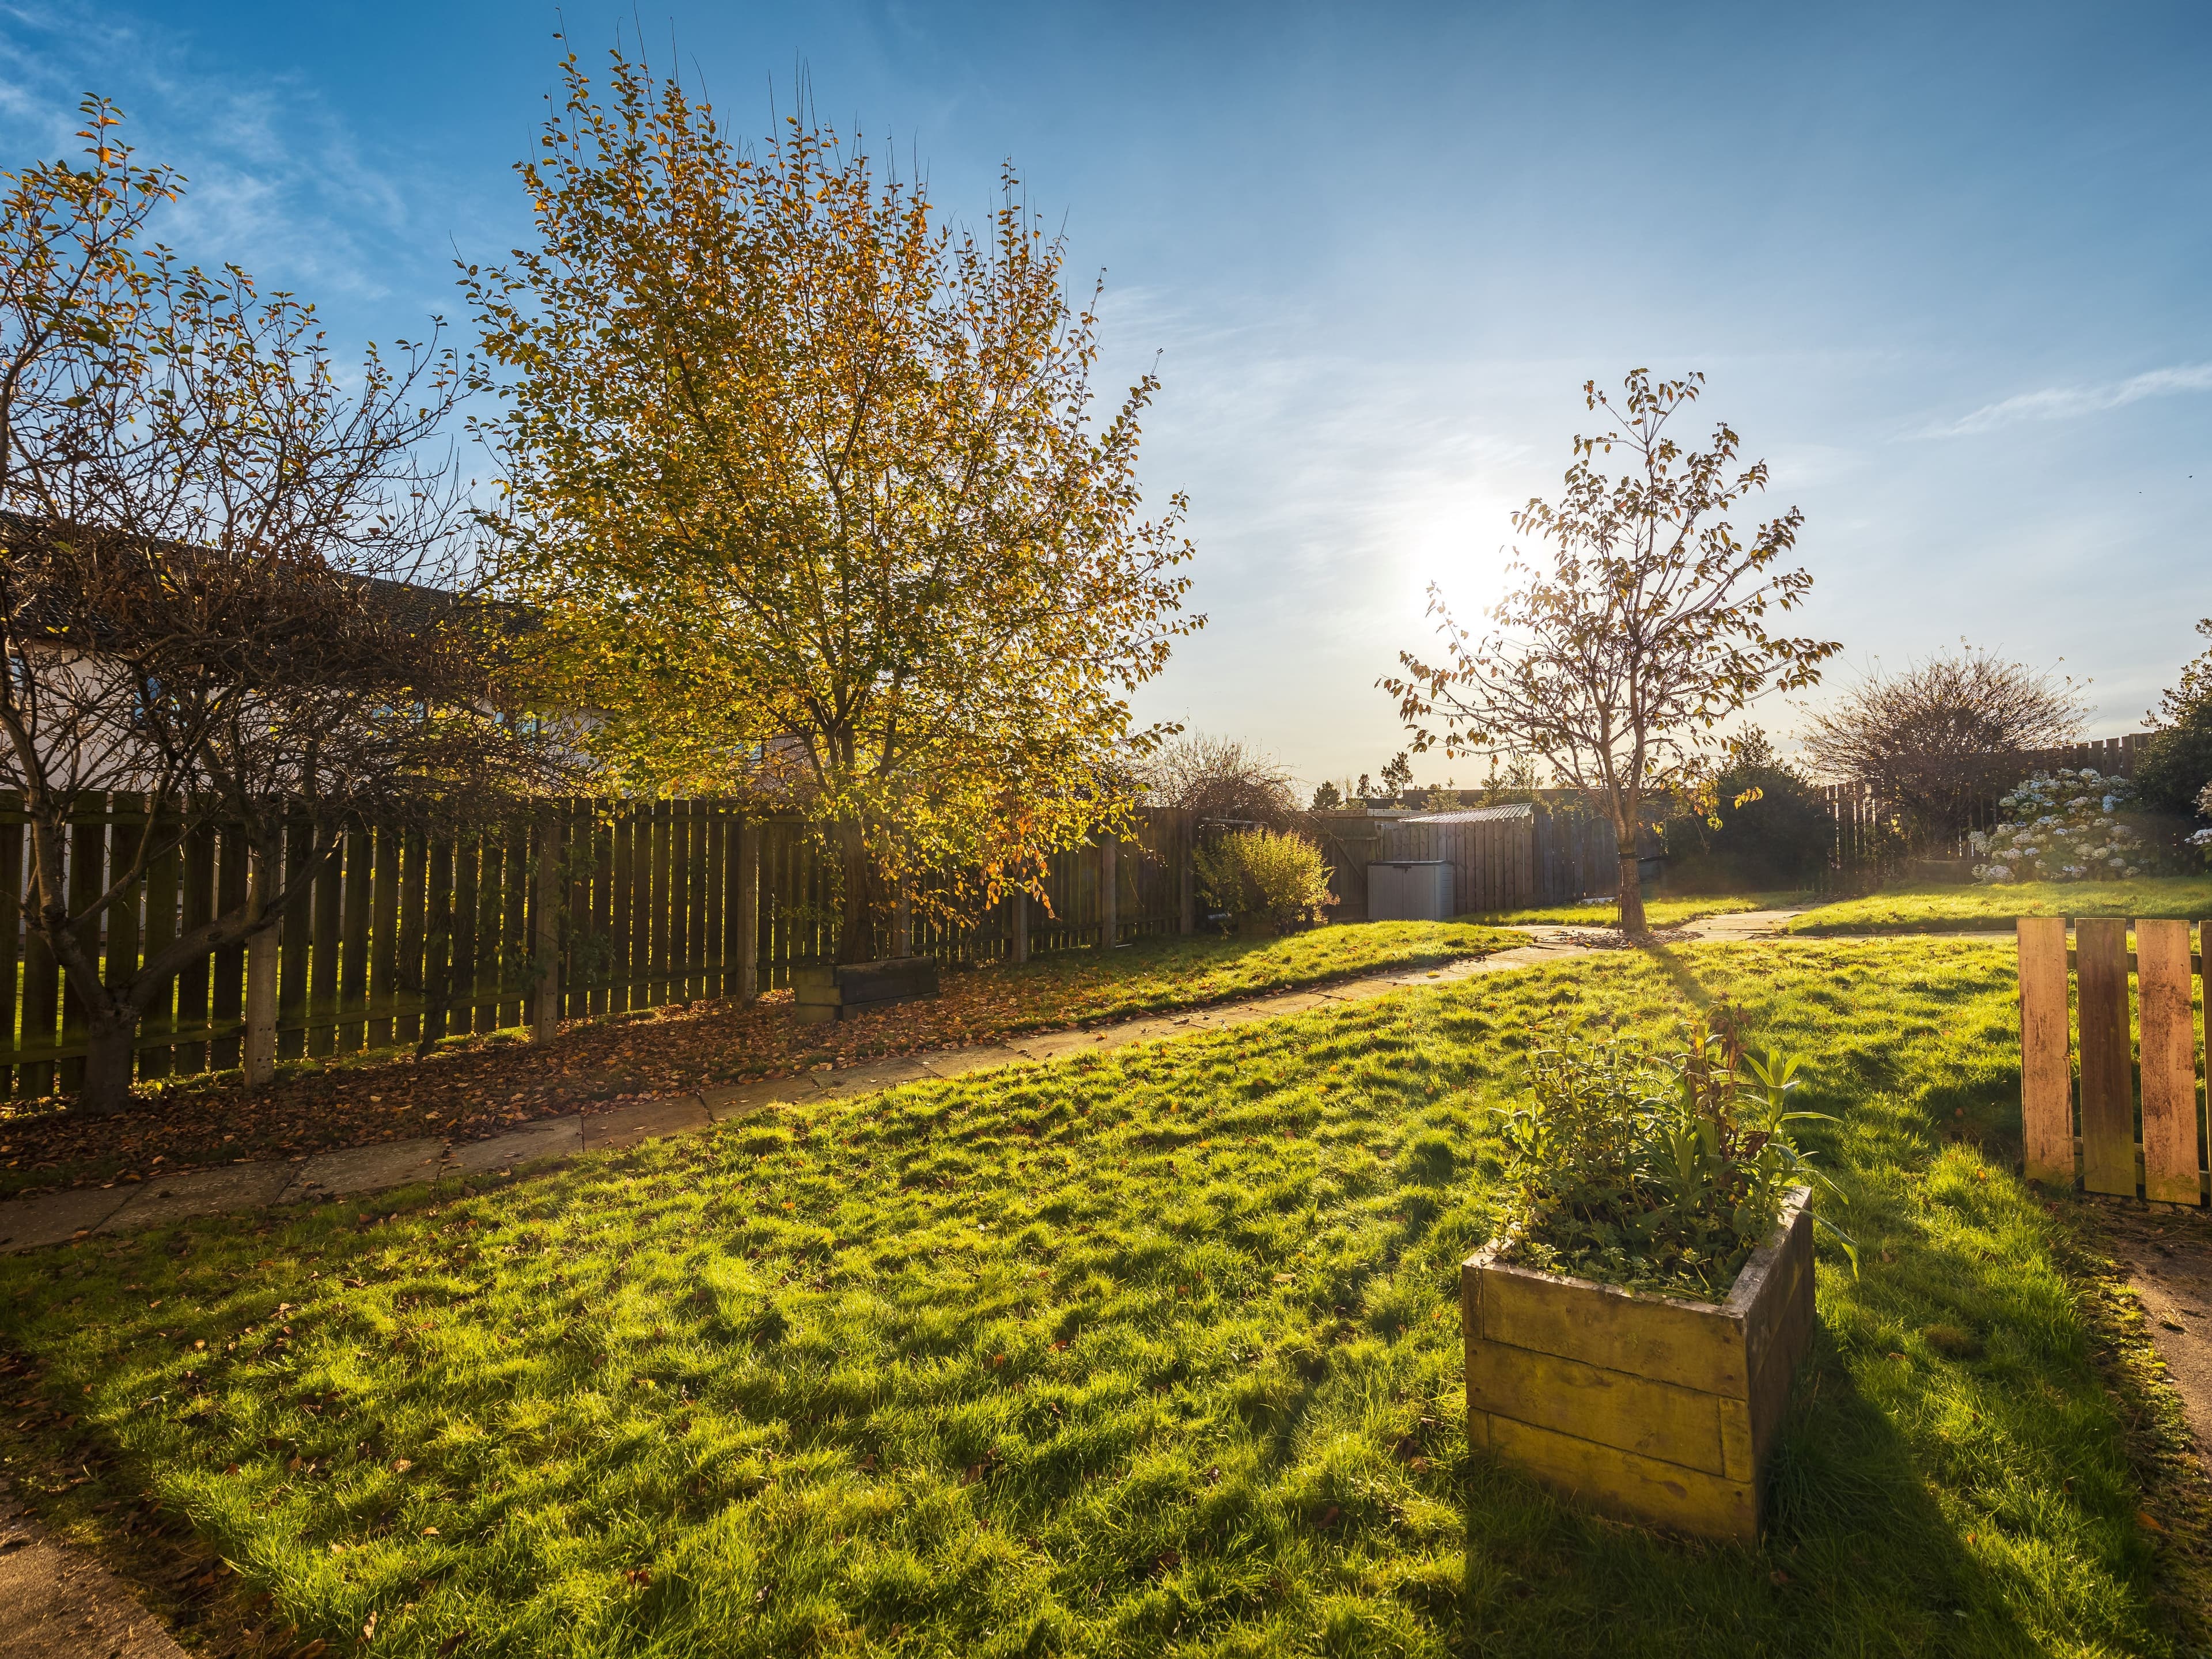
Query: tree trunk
(109, 1050)
(1632, 890)
(853, 863)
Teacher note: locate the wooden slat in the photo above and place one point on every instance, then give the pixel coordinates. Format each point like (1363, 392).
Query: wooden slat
(2169, 1062)
(2108, 1129)
(383, 958)
(297, 933)
(665, 906)
(460, 887)
(514, 924)
(88, 876)
(604, 865)
(323, 951)
(227, 971)
(11, 945)
(357, 882)
(196, 877)
(677, 951)
(412, 976)
(2046, 1071)
(125, 916)
(160, 1024)
(438, 942)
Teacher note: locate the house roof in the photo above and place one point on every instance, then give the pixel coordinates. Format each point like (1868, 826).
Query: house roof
(1519, 809)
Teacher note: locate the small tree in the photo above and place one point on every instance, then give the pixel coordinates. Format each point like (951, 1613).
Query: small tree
(203, 537)
(2172, 768)
(806, 486)
(1943, 739)
(1650, 628)
(1326, 798)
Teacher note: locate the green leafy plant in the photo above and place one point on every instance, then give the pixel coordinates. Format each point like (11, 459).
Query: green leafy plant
(1656, 1171)
(1260, 872)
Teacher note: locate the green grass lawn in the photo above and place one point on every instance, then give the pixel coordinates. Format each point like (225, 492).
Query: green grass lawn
(481, 1085)
(1660, 912)
(1150, 1352)
(1963, 908)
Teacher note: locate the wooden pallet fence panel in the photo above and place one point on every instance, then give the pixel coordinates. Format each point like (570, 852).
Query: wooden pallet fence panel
(2108, 1129)
(2168, 1062)
(2046, 1069)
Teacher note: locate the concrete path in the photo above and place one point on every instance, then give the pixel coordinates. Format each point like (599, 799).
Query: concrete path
(57, 1218)
(57, 1602)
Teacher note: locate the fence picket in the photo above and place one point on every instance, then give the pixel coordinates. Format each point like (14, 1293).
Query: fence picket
(2047, 1068)
(2169, 1062)
(2108, 1138)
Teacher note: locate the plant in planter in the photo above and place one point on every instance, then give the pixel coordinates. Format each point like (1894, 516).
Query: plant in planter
(1268, 882)
(1632, 1332)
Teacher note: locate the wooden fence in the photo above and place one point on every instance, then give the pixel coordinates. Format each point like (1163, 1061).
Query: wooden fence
(587, 908)
(2155, 1146)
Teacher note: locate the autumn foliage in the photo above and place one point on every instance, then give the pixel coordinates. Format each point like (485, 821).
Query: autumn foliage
(807, 486)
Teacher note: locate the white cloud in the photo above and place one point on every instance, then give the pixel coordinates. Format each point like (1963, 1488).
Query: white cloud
(2062, 403)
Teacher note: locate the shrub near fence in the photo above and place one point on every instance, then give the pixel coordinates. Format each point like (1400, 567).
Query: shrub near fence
(586, 908)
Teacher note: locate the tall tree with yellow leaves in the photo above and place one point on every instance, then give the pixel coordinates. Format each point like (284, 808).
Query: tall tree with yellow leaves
(806, 486)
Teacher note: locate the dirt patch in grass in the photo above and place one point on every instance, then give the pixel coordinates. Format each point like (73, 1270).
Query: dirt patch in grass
(468, 1089)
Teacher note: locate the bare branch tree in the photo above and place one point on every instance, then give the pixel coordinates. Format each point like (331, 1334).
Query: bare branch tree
(229, 587)
(1650, 630)
(1221, 779)
(1944, 735)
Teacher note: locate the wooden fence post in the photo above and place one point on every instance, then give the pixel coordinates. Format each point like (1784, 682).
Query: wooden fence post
(545, 931)
(2108, 1115)
(746, 946)
(2169, 1062)
(902, 924)
(1021, 947)
(2046, 1071)
(260, 1059)
(1110, 893)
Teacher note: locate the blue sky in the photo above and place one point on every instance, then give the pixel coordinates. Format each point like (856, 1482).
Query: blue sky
(1947, 268)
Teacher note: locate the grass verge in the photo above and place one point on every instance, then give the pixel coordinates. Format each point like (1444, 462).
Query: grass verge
(1660, 912)
(1973, 908)
(487, 1083)
(1148, 1353)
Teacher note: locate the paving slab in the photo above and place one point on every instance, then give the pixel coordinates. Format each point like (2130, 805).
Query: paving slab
(871, 1076)
(166, 1199)
(1291, 1002)
(366, 1169)
(552, 1136)
(1051, 1045)
(727, 1100)
(678, 1114)
(29, 1224)
(59, 1603)
(975, 1057)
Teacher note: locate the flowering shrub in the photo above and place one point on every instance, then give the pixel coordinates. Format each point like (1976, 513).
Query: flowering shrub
(2060, 826)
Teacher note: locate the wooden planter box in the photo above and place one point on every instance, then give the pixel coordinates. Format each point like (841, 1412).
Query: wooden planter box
(839, 993)
(1650, 1407)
